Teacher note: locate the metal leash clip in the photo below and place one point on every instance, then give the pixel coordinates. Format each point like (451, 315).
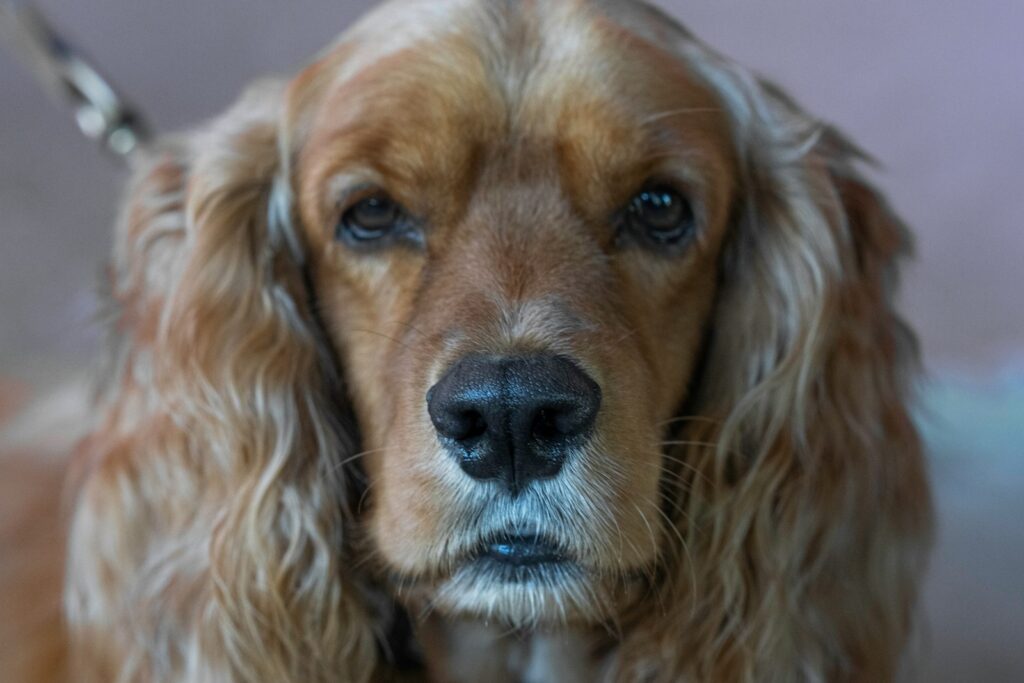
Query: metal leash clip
(100, 112)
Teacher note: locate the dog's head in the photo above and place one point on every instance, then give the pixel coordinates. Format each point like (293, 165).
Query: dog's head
(513, 219)
(609, 313)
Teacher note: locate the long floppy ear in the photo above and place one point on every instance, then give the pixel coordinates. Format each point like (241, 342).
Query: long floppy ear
(208, 539)
(803, 501)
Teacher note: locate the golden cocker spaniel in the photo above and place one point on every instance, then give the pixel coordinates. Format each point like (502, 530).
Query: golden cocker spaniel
(509, 341)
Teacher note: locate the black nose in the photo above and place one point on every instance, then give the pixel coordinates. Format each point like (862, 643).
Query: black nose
(513, 419)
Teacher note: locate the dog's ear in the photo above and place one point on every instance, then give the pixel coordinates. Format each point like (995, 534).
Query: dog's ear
(804, 502)
(209, 533)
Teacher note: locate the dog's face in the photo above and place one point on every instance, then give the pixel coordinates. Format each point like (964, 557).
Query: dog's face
(513, 233)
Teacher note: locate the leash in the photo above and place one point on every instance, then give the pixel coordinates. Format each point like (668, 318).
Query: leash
(100, 112)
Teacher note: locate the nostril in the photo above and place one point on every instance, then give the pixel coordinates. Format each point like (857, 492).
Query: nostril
(545, 425)
(462, 425)
(472, 425)
(559, 422)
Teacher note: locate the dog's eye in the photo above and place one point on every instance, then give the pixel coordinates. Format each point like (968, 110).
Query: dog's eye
(660, 214)
(371, 219)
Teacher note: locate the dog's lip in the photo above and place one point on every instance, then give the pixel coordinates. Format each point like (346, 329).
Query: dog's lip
(520, 550)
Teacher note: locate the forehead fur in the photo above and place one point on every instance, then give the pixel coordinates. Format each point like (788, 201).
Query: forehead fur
(435, 92)
(553, 28)
(528, 50)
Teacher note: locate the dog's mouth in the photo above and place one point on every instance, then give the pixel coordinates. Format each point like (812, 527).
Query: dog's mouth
(521, 550)
(521, 578)
(516, 557)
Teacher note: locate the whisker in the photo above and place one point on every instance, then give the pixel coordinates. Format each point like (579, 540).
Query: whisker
(338, 466)
(677, 505)
(683, 463)
(629, 333)
(362, 498)
(689, 442)
(654, 537)
(408, 326)
(705, 444)
(385, 336)
(686, 550)
(690, 418)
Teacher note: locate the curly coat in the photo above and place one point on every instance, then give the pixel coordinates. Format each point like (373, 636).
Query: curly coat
(262, 490)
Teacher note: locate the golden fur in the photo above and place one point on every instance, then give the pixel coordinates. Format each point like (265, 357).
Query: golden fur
(263, 482)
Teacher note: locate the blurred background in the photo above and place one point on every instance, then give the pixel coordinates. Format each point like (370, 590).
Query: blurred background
(935, 91)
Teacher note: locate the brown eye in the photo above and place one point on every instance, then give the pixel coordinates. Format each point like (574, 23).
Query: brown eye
(372, 219)
(660, 214)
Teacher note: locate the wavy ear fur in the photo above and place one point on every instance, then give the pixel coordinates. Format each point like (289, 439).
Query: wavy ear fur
(209, 526)
(803, 501)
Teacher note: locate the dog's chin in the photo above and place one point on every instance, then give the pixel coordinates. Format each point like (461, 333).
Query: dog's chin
(526, 582)
(523, 598)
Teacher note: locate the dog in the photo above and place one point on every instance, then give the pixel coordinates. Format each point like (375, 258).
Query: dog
(507, 341)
